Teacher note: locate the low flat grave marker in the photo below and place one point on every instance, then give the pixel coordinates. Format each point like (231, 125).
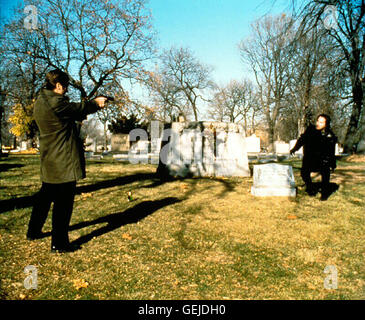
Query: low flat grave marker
(273, 179)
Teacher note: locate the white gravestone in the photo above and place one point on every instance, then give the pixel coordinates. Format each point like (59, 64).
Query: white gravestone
(281, 147)
(253, 144)
(338, 150)
(23, 146)
(273, 179)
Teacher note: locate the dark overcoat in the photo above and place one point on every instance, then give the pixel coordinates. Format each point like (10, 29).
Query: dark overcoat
(61, 149)
(318, 149)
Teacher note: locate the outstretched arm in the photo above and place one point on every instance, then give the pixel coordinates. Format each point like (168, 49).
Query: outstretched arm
(77, 111)
(298, 145)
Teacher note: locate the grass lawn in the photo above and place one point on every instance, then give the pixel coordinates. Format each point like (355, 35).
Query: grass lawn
(185, 239)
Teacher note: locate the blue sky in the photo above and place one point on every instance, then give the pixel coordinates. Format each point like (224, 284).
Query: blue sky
(212, 29)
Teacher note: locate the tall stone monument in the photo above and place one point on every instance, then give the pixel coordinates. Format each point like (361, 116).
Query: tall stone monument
(204, 149)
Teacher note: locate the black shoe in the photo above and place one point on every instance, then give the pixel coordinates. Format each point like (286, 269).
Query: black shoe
(34, 236)
(325, 196)
(311, 191)
(64, 249)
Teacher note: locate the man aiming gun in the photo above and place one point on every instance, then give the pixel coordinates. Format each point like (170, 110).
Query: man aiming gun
(62, 157)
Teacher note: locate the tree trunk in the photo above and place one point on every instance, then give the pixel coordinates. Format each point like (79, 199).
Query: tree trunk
(308, 114)
(195, 113)
(352, 137)
(1, 118)
(271, 135)
(105, 137)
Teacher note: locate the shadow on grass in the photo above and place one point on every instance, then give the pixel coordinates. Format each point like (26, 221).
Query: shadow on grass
(27, 201)
(116, 220)
(116, 182)
(7, 166)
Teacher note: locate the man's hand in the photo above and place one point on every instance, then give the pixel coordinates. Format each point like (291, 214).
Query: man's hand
(101, 101)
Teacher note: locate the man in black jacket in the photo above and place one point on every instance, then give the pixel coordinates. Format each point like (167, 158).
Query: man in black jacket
(318, 144)
(62, 157)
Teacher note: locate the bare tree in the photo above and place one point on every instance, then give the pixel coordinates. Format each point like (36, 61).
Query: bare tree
(181, 81)
(166, 98)
(269, 54)
(22, 75)
(217, 105)
(98, 43)
(236, 102)
(344, 21)
(317, 81)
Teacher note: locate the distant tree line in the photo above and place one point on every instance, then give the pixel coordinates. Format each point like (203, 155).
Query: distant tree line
(301, 64)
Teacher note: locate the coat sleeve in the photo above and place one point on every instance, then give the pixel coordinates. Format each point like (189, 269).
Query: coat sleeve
(67, 110)
(333, 152)
(300, 143)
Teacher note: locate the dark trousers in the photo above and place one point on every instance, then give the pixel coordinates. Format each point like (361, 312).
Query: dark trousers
(325, 175)
(62, 195)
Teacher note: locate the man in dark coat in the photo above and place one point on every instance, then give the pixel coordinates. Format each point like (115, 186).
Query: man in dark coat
(318, 144)
(62, 157)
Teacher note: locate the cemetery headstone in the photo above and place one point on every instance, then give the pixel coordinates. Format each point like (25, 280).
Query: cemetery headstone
(281, 147)
(23, 146)
(338, 150)
(120, 142)
(273, 179)
(253, 144)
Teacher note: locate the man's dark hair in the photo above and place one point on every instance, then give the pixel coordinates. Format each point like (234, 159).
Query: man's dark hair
(55, 76)
(328, 120)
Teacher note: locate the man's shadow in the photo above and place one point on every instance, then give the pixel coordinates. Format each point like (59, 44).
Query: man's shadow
(117, 220)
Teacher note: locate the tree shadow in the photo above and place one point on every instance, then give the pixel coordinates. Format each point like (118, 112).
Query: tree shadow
(116, 182)
(7, 166)
(28, 201)
(16, 203)
(156, 181)
(117, 220)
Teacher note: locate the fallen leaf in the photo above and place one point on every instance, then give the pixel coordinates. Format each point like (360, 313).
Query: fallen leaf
(126, 236)
(292, 217)
(80, 283)
(184, 186)
(86, 195)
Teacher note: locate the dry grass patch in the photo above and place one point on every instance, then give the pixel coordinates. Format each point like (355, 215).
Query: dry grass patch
(185, 239)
